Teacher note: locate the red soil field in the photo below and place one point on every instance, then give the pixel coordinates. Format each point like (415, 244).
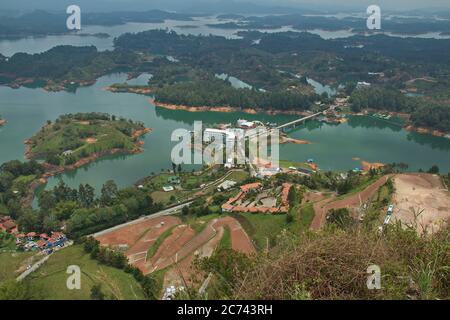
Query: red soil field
(138, 237)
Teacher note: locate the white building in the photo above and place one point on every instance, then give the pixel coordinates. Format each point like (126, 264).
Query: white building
(210, 135)
(362, 84)
(227, 184)
(229, 135)
(245, 124)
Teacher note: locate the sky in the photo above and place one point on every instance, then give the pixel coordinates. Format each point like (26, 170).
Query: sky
(184, 5)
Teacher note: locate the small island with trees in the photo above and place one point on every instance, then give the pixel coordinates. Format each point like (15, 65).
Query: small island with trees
(74, 140)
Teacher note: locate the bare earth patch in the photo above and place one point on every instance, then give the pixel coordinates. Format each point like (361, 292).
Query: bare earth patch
(91, 140)
(424, 193)
(138, 238)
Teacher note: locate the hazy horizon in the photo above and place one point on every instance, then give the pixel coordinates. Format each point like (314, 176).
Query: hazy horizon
(221, 5)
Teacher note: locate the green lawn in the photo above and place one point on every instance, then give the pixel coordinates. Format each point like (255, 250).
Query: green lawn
(10, 262)
(261, 227)
(238, 176)
(225, 242)
(51, 278)
(304, 218)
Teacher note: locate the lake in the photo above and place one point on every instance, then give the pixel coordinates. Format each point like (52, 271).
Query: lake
(333, 147)
(199, 26)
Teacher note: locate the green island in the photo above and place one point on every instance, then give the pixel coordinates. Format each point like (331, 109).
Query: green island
(74, 140)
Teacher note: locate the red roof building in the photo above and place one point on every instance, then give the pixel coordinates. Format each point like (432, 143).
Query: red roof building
(41, 244)
(251, 186)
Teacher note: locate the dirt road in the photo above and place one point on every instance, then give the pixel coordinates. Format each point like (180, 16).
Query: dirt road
(321, 208)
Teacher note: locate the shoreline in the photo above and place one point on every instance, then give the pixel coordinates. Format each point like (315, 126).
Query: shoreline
(409, 127)
(131, 89)
(433, 132)
(286, 140)
(225, 109)
(3, 122)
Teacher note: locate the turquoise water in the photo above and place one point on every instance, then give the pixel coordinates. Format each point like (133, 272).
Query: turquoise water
(333, 147)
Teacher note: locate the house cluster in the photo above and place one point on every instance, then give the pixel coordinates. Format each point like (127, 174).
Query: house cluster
(41, 242)
(235, 204)
(8, 225)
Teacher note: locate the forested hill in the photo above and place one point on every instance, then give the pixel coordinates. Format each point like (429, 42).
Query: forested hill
(64, 63)
(164, 42)
(43, 23)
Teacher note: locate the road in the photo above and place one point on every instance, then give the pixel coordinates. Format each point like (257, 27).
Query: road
(33, 268)
(165, 212)
(39, 264)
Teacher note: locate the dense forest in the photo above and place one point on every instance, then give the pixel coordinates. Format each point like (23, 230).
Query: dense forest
(217, 93)
(65, 62)
(424, 113)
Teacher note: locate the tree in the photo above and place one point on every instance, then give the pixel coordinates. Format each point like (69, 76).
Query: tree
(340, 218)
(96, 292)
(69, 159)
(434, 169)
(13, 290)
(86, 195)
(292, 196)
(174, 168)
(149, 286)
(109, 193)
(29, 220)
(47, 200)
(53, 159)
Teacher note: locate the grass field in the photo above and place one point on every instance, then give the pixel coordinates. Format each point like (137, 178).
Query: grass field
(51, 278)
(305, 217)
(262, 227)
(10, 262)
(266, 227)
(225, 242)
